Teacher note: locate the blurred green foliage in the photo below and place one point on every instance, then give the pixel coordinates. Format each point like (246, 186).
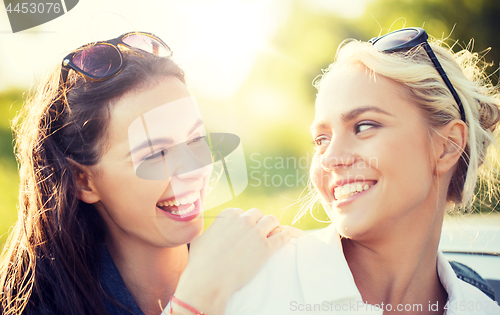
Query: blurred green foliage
(275, 105)
(457, 20)
(10, 104)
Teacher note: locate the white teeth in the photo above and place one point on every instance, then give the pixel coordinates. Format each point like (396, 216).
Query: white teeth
(345, 189)
(182, 201)
(348, 190)
(182, 212)
(359, 187)
(189, 209)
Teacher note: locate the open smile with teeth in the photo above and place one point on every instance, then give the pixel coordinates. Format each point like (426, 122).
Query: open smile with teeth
(180, 206)
(345, 191)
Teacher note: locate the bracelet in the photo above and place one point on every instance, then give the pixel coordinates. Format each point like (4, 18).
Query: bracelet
(175, 300)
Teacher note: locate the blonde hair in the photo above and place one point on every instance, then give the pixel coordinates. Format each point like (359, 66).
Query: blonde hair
(414, 71)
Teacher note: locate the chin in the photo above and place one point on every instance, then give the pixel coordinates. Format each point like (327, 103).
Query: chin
(351, 226)
(189, 233)
(175, 237)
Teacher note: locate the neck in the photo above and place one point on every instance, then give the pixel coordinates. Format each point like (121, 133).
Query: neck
(399, 266)
(150, 273)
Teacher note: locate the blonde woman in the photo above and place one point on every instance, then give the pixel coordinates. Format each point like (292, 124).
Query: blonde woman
(400, 135)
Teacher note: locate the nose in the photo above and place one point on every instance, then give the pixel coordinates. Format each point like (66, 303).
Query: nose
(339, 153)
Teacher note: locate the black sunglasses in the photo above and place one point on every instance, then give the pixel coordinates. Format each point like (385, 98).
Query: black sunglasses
(408, 38)
(102, 60)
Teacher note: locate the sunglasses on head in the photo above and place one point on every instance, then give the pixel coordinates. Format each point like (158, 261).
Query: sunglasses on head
(102, 60)
(407, 38)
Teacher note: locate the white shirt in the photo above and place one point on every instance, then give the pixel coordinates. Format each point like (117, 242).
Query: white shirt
(310, 276)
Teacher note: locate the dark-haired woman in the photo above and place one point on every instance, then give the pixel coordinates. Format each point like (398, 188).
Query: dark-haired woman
(113, 172)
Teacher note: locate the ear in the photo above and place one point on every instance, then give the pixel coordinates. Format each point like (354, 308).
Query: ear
(84, 183)
(451, 144)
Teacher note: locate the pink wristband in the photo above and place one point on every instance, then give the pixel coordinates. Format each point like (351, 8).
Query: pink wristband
(175, 300)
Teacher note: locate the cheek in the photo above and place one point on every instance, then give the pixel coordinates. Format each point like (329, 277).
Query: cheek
(319, 177)
(208, 170)
(409, 166)
(126, 192)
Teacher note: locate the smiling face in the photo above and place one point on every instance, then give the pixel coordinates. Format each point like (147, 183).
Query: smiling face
(151, 182)
(372, 166)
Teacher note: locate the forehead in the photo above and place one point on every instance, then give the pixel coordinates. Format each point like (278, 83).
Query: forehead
(342, 81)
(168, 107)
(348, 87)
(174, 120)
(136, 103)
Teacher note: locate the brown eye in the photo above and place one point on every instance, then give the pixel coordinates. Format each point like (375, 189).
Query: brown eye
(364, 125)
(321, 143)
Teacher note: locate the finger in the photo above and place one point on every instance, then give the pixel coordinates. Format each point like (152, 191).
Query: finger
(278, 240)
(254, 214)
(294, 232)
(276, 230)
(230, 212)
(267, 224)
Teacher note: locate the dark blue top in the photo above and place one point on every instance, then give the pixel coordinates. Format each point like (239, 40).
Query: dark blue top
(113, 285)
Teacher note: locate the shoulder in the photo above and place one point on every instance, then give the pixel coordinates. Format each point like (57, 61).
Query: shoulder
(298, 254)
(272, 283)
(308, 270)
(470, 301)
(284, 265)
(463, 297)
(470, 276)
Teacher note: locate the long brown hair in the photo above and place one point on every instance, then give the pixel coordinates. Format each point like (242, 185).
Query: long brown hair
(51, 259)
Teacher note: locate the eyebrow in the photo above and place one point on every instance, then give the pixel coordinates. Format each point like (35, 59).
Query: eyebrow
(157, 141)
(350, 115)
(346, 117)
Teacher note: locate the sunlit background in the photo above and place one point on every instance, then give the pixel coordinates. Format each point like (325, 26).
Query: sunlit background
(250, 64)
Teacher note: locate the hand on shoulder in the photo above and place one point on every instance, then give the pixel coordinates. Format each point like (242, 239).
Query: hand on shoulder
(228, 255)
